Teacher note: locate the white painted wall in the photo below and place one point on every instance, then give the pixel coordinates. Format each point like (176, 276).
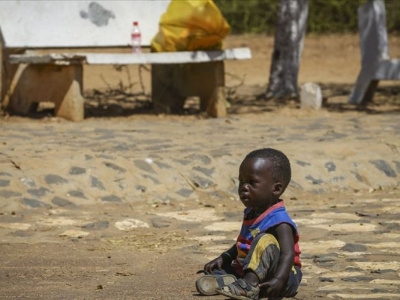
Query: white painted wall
(77, 23)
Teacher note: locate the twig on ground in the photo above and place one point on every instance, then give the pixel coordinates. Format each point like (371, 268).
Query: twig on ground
(141, 78)
(231, 90)
(106, 83)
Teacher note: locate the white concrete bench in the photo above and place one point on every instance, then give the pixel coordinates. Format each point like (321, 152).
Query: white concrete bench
(29, 76)
(376, 64)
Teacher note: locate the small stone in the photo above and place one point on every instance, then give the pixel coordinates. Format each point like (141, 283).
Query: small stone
(205, 171)
(184, 192)
(96, 226)
(34, 203)
(111, 198)
(130, 224)
(76, 194)
(96, 183)
(354, 248)
(203, 158)
(330, 166)
(145, 166)
(311, 96)
(358, 176)
(121, 147)
(324, 259)
(160, 223)
(357, 279)
(384, 167)
(155, 180)
(28, 182)
(74, 233)
(302, 163)
(4, 183)
(40, 192)
(114, 167)
(20, 233)
(55, 179)
(141, 188)
(162, 165)
(9, 194)
(326, 279)
(201, 182)
(314, 180)
(62, 202)
(77, 171)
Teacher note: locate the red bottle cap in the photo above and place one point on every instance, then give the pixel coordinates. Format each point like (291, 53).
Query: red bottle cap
(136, 23)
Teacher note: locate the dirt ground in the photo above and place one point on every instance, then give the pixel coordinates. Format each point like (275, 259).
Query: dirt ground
(160, 261)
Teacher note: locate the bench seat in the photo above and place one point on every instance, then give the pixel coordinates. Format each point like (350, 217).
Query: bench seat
(127, 58)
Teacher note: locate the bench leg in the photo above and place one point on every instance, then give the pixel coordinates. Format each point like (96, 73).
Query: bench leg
(166, 91)
(61, 85)
(7, 73)
(173, 83)
(208, 82)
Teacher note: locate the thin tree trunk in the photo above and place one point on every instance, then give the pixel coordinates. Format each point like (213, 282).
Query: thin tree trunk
(288, 45)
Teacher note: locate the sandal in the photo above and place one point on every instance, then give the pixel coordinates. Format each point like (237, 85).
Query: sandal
(207, 284)
(240, 289)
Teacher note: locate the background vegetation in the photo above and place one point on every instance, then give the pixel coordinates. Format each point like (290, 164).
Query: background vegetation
(325, 16)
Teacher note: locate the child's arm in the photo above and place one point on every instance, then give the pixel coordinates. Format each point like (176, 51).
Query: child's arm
(224, 258)
(284, 235)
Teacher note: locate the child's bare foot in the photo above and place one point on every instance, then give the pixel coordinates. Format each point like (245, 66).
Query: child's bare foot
(240, 289)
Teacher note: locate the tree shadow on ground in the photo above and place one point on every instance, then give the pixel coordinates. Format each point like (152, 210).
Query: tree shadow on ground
(335, 99)
(386, 99)
(243, 99)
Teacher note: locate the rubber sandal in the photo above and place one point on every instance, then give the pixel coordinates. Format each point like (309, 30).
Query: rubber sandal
(207, 284)
(233, 290)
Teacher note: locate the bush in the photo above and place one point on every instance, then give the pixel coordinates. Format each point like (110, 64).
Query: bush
(325, 16)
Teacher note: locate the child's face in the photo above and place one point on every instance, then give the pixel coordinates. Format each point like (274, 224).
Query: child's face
(257, 188)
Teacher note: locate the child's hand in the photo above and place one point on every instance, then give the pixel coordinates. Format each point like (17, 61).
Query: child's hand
(214, 264)
(273, 287)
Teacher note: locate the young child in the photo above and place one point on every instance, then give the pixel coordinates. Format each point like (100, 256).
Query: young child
(265, 260)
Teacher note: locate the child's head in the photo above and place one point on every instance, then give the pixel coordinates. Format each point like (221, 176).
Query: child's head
(264, 175)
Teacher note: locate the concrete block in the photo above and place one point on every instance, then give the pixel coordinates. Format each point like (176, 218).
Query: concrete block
(311, 96)
(61, 85)
(173, 83)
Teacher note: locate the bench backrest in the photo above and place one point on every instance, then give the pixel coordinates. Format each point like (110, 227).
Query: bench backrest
(69, 24)
(373, 32)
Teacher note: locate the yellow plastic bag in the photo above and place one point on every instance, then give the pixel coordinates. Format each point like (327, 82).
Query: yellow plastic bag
(190, 25)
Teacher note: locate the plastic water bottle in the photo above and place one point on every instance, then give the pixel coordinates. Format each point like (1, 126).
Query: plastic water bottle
(136, 38)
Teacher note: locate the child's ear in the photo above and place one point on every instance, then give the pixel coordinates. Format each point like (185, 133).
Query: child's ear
(277, 188)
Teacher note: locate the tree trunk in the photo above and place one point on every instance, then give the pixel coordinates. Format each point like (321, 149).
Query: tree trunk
(288, 45)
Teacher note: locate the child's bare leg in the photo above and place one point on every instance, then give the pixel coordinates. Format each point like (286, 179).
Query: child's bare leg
(259, 266)
(262, 259)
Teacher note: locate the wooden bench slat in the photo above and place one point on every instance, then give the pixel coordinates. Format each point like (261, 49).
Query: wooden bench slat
(127, 58)
(52, 58)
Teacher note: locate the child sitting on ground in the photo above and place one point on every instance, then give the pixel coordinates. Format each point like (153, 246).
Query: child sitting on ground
(265, 260)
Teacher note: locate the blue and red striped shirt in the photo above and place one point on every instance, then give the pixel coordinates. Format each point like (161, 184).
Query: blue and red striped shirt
(272, 217)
